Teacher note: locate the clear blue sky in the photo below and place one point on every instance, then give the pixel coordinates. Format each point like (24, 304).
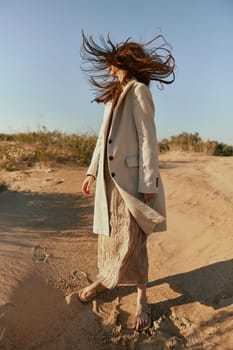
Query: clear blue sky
(41, 82)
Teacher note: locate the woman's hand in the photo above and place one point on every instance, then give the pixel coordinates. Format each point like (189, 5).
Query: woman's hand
(87, 183)
(148, 197)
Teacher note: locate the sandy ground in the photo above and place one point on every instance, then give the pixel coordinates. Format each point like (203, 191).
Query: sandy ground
(48, 251)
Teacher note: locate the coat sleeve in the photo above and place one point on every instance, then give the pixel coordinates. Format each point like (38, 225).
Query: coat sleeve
(93, 167)
(148, 146)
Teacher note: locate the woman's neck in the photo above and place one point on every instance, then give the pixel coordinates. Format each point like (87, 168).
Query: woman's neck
(121, 74)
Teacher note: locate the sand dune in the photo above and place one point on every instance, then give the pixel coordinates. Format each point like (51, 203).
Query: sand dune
(48, 251)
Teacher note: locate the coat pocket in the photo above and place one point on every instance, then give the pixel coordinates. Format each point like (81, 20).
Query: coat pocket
(132, 161)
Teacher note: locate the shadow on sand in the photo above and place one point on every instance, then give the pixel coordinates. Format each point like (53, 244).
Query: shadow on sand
(211, 285)
(40, 317)
(27, 214)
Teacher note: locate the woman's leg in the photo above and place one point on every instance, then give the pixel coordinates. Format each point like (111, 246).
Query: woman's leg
(142, 316)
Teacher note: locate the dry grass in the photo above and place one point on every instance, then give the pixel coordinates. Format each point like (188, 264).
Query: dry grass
(23, 150)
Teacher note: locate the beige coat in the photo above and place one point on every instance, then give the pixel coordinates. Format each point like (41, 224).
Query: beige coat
(132, 155)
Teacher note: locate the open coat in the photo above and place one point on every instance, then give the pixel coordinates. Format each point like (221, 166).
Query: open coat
(132, 155)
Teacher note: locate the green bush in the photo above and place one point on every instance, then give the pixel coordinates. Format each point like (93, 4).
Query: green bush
(221, 149)
(193, 142)
(3, 186)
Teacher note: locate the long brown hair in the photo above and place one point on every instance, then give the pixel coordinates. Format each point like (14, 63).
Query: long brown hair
(156, 63)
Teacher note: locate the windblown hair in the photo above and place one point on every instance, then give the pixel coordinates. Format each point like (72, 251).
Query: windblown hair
(156, 63)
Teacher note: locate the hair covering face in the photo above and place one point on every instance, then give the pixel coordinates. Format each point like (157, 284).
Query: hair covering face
(139, 62)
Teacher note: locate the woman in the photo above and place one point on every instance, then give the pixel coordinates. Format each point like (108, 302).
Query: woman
(129, 197)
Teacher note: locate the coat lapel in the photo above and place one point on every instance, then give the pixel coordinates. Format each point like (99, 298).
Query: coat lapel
(109, 115)
(122, 96)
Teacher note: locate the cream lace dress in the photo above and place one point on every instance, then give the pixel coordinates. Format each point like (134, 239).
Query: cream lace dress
(122, 256)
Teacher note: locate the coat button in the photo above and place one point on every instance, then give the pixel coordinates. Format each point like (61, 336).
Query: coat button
(110, 157)
(113, 174)
(109, 141)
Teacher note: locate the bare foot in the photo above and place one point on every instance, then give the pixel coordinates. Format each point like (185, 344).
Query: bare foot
(142, 316)
(87, 294)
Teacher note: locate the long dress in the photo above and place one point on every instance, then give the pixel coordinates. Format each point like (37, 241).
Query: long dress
(122, 256)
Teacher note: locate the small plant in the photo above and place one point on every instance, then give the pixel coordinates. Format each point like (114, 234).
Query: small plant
(3, 186)
(222, 149)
